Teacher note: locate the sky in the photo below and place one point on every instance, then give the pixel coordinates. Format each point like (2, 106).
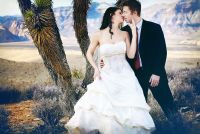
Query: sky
(10, 7)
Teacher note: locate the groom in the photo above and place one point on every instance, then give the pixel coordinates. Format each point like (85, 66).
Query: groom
(150, 58)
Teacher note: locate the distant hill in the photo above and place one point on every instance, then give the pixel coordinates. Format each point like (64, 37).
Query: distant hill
(182, 17)
(11, 29)
(7, 36)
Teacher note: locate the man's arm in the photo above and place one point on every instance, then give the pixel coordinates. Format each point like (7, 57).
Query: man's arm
(160, 56)
(160, 51)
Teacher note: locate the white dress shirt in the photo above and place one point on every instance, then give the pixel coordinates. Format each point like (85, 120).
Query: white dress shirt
(139, 27)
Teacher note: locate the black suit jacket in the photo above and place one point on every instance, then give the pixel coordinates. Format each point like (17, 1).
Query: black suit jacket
(152, 48)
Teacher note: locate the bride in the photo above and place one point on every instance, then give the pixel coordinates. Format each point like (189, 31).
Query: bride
(114, 103)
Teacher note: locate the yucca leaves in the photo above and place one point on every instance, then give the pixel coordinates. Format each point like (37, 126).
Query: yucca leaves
(44, 36)
(29, 14)
(43, 3)
(45, 33)
(46, 17)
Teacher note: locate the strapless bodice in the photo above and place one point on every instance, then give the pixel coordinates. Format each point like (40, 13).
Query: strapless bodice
(112, 49)
(114, 56)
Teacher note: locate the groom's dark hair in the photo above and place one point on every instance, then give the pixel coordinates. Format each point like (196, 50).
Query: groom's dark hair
(134, 5)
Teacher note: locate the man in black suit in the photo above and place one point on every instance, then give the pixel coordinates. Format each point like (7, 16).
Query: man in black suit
(150, 58)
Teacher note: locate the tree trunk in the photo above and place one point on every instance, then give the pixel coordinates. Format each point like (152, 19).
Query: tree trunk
(40, 21)
(80, 26)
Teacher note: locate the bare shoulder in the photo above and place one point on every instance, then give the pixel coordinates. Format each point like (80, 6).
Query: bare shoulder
(96, 35)
(125, 34)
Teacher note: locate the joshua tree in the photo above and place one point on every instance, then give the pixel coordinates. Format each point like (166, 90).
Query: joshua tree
(80, 27)
(40, 21)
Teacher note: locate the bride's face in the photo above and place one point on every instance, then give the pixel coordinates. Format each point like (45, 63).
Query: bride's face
(117, 17)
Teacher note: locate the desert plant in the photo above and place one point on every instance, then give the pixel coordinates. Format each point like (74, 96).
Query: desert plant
(28, 93)
(9, 95)
(46, 92)
(4, 124)
(185, 86)
(43, 3)
(76, 73)
(50, 111)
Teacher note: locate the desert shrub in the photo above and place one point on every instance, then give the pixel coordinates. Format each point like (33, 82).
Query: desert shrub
(46, 92)
(9, 95)
(37, 92)
(50, 111)
(77, 73)
(185, 86)
(12, 95)
(28, 93)
(4, 124)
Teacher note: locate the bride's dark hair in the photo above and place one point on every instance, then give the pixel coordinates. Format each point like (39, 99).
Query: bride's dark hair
(107, 19)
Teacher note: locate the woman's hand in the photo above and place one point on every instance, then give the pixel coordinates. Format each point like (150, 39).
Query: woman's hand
(133, 25)
(97, 74)
(131, 47)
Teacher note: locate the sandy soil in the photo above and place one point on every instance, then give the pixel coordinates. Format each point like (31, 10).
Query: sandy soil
(21, 65)
(21, 115)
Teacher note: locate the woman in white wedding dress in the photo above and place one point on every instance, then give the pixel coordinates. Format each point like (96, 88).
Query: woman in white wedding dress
(114, 103)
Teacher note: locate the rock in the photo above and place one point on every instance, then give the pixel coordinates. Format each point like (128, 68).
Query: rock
(64, 120)
(185, 109)
(197, 117)
(37, 119)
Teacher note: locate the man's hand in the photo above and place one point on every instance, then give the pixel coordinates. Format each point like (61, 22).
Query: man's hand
(101, 63)
(154, 80)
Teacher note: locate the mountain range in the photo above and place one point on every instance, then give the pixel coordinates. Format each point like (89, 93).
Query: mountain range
(182, 17)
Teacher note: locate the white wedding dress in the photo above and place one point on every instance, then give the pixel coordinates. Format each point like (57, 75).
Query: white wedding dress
(115, 104)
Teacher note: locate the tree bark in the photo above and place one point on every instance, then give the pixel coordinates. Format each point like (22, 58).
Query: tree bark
(80, 26)
(42, 27)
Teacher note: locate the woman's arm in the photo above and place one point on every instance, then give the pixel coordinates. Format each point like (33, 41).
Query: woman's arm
(90, 52)
(131, 48)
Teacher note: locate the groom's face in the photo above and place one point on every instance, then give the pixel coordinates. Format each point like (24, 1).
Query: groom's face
(128, 14)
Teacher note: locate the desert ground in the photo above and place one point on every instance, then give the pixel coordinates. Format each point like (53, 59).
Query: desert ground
(21, 68)
(21, 63)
